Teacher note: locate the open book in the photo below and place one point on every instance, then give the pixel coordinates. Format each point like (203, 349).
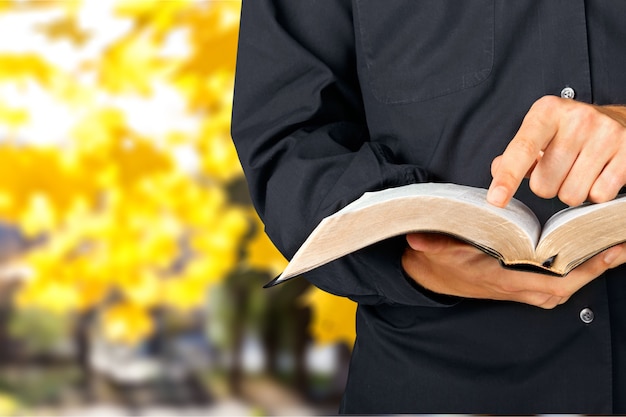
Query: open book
(511, 234)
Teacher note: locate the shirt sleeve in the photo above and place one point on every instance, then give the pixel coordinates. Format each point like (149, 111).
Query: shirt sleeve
(300, 132)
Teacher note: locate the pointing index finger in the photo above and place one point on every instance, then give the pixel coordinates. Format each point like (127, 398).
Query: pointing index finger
(537, 130)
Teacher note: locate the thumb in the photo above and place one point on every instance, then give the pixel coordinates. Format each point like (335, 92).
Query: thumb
(597, 265)
(428, 242)
(614, 256)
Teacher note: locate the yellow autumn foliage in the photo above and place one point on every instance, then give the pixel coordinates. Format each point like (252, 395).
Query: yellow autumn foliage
(13, 116)
(122, 223)
(262, 254)
(159, 18)
(131, 66)
(23, 67)
(333, 317)
(35, 179)
(127, 323)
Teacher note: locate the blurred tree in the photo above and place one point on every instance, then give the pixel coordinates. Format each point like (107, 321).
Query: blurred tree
(333, 317)
(124, 222)
(121, 227)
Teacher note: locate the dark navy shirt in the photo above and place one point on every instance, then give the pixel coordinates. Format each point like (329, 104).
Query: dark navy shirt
(334, 98)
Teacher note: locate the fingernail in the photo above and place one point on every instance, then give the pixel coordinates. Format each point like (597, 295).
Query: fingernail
(497, 196)
(611, 255)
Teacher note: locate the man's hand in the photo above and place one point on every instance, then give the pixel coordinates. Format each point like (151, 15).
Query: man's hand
(448, 266)
(569, 149)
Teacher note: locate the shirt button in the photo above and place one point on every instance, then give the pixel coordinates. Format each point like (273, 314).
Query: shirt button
(568, 92)
(586, 315)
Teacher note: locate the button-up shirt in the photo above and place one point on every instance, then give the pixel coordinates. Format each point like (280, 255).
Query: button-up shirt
(336, 98)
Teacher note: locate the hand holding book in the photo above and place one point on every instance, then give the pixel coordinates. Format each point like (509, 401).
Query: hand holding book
(572, 150)
(512, 235)
(449, 266)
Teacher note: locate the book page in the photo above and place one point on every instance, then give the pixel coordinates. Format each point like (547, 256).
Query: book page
(575, 234)
(568, 214)
(509, 234)
(516, 211)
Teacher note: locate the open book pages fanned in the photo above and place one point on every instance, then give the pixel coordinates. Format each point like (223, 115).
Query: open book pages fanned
(511, 234)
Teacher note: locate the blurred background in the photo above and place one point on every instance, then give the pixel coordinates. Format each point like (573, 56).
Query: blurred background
(131, 260)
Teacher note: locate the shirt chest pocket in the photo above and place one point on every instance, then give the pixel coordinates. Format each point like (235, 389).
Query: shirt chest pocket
(417, 50)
